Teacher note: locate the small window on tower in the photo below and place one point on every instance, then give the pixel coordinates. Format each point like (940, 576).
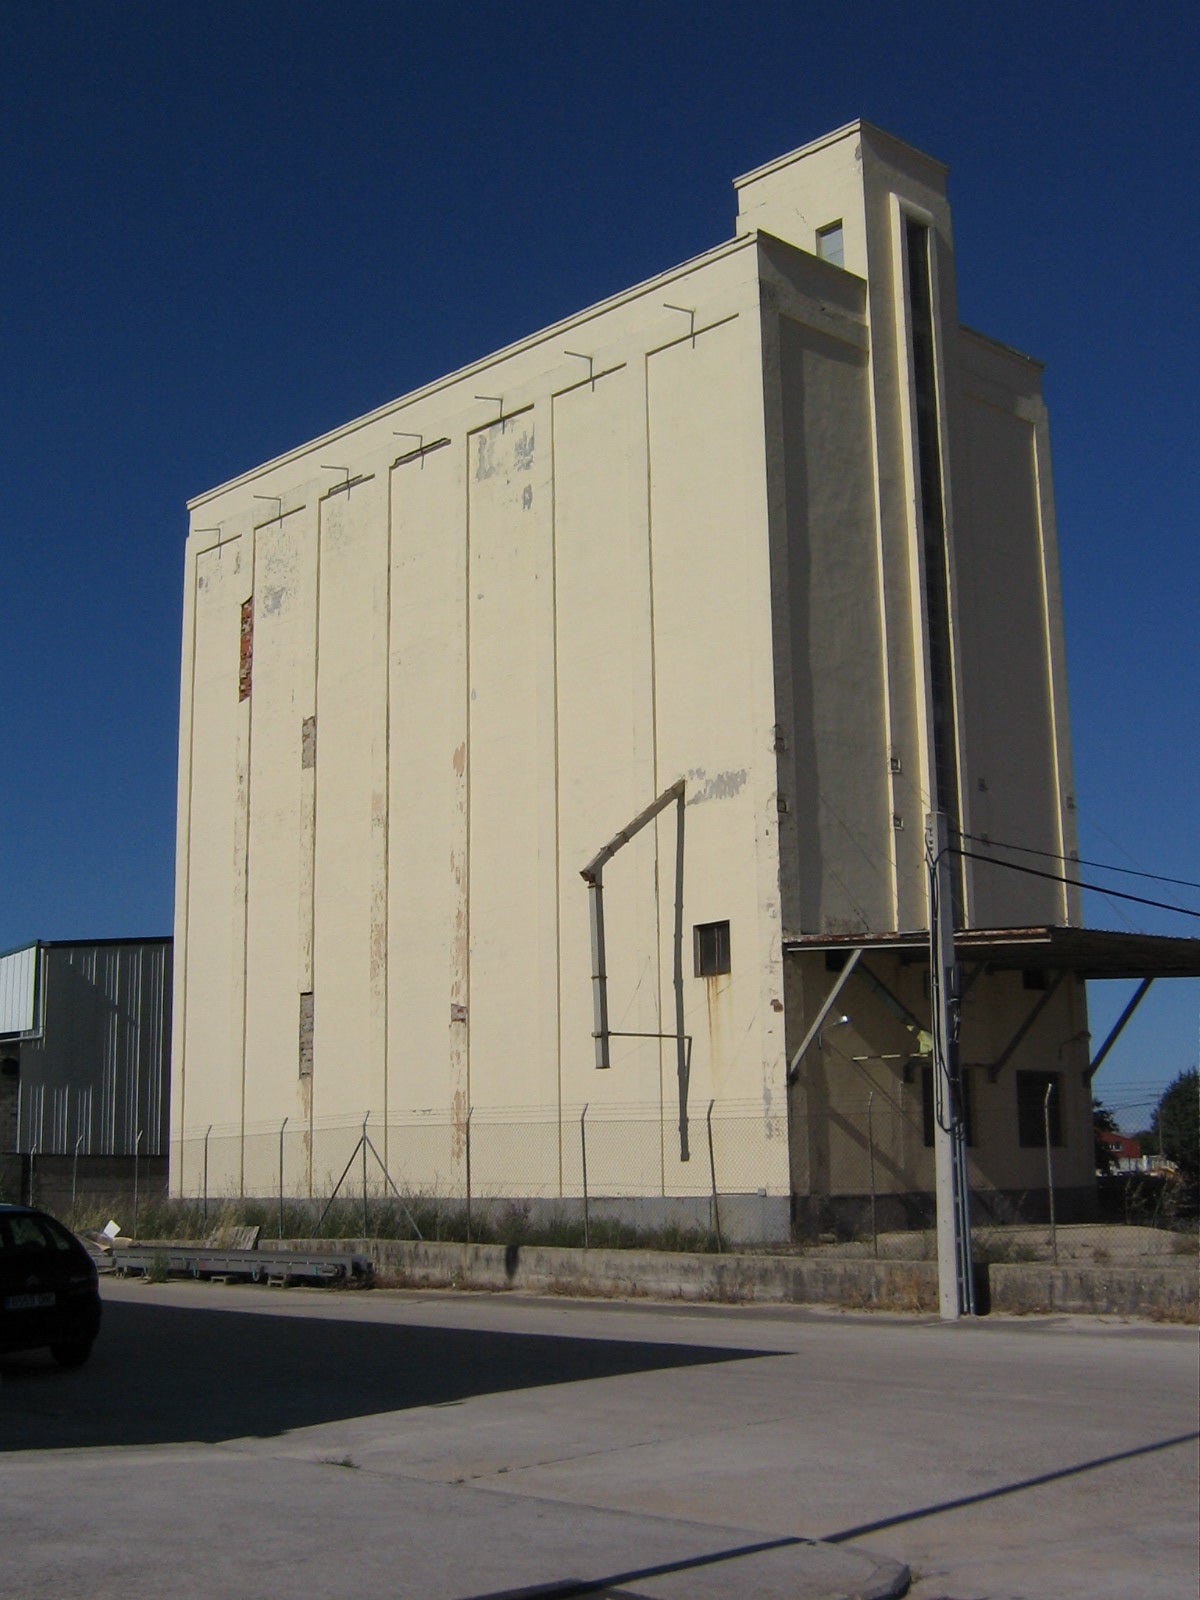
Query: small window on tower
(712, 948)
(829, 244)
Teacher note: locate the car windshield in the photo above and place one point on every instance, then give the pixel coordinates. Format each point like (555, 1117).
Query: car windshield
(22, 1232)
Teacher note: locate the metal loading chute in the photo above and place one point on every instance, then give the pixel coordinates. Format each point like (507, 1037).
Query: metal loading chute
(593, 876)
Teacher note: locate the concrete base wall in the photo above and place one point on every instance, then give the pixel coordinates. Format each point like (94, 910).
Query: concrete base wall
(743, 1218)
(544, 1269)
(1166, 1293)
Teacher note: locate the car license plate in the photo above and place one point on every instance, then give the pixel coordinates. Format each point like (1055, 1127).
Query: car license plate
(28, 1302)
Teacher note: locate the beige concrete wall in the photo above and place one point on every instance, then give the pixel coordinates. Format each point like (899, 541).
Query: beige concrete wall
(510, 644)
(427, 895)
(835, 763)
(854, 669)
(797, 195)
(280, 812)
(868, 181)
(1014, 689)
(209, 917)
(674, 537)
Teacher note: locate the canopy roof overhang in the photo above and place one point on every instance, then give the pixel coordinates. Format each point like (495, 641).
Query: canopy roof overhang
(1082, 952)
(1086, 952)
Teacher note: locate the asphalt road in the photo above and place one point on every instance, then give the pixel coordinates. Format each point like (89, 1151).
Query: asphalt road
(245, 1442)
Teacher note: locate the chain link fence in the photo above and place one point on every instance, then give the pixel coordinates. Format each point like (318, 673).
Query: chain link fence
(861, 1162)
(491, 1170)
(868, 1160)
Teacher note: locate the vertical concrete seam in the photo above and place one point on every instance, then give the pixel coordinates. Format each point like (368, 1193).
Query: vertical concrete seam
(246, 870)
(557, 791)
(654, 789)
(185, 920)
(312, 876)
(886, 642)
(466, 888)
(387, 813)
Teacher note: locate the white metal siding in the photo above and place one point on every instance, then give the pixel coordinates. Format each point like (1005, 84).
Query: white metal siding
(18, 990)
(98, 1074)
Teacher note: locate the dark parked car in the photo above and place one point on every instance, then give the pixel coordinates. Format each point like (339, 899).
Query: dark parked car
(49, 1292)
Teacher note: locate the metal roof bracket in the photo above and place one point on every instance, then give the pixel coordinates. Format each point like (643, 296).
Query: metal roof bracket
(1118, 1028)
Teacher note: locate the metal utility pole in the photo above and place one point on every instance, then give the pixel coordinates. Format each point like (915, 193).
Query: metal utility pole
(956, 1280)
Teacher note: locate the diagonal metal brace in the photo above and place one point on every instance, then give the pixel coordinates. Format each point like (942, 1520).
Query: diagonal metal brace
(1118, 1029)
(814, 1030)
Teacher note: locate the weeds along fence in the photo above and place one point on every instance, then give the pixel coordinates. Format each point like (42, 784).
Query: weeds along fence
(469, 1175)
(861, 1159)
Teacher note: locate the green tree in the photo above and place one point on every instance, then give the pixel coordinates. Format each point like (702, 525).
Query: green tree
(1177, 1124)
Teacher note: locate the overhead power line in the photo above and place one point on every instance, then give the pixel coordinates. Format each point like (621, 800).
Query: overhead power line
(1079, 861)
(1078, 883)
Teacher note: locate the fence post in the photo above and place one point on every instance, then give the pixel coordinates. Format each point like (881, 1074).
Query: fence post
(712, 1167)
(469, 1111)
(206, 1175)
(583, 1146)
(137, 1149)
(74, 1177)
(871, 1159)
(1050, 1171)
(282, 1126)
(366, 1224)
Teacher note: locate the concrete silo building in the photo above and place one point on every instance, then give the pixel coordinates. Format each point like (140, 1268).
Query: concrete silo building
(768, 539)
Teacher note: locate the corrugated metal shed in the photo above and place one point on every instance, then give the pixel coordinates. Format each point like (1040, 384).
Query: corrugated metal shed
(98, 1072)
(18, 991)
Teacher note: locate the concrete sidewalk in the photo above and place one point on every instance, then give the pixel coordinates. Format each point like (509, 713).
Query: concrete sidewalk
(222, 1524)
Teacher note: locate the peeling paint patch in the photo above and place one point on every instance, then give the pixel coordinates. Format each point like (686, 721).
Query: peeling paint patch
(272, 600)
(458, 1112)
(246, 658)
(306, 1035)
(459, 759)
(492, 459)
(527, 497)
(721, 786)
(487, 464)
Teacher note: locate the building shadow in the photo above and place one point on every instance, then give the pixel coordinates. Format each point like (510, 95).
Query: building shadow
(168, 1374)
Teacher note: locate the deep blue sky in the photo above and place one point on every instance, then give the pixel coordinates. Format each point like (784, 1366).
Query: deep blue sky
(229, 227)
